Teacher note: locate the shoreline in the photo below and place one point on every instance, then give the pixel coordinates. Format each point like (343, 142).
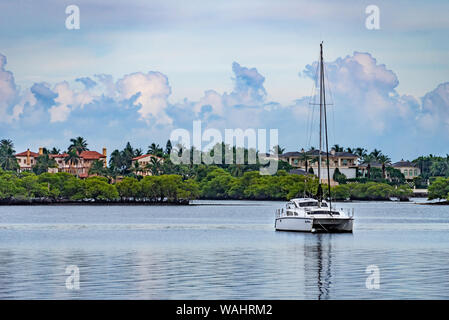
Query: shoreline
(51, 202)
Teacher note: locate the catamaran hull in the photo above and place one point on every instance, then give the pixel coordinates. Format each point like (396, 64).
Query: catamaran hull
(332, 225)
(294, 224)
(313, 224)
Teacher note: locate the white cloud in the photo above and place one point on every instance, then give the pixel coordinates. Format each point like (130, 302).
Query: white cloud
(67, 100)
(152, 91)
(7, 89)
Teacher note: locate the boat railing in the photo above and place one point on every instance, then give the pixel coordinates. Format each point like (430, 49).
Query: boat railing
(348, 211)
(279, 213)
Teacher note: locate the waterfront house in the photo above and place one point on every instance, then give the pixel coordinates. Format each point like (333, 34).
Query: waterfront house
(27, 160)
(144, 162)
(346, 162)
(409, 169)
(363, 168)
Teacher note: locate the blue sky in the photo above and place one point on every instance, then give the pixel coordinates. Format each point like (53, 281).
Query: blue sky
(136, 70)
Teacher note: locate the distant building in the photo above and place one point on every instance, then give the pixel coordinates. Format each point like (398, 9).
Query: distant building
(409, 169)
(345, 162)
(27, 160)
(363, 168)
(143, 161)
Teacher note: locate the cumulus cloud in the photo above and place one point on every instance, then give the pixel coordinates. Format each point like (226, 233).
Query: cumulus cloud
(368, 108)
(248, 91)
(87, 82)
(366, 90)
(435, 109)
(150, 91)
(67, 99)
(8, 90)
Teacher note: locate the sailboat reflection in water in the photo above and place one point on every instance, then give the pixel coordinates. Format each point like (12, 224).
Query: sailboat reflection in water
(316, 215)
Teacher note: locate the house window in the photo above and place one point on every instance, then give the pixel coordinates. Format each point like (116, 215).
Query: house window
(410, 172)
(416, 172)
(405, 172)
(345, 162)
(295, 161)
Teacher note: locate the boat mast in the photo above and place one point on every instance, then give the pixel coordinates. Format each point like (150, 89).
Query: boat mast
(320, 190)
(324, 111)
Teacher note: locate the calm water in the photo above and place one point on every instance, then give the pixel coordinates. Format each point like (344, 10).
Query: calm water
(227, 251)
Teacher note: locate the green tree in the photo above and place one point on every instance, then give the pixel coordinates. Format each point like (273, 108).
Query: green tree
(72, 159)
(155, 166)
(337, 148)
(168, 148)
(439, 189)
(341, 192)
(339, 177)
(43, 163)
(384, 161)
(129, 188)
(155, 150)
(8, 160)
(55, 150)
(98, 188)
(98, 168)
(79, 144)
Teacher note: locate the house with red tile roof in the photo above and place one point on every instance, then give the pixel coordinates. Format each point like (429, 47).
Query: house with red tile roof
(27, 160)
(144, 161)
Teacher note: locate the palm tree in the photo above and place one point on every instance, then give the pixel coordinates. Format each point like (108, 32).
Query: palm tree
(7, 143)
(350, 150)
(7, 159)
(376, 154)
(337, 148)
(136, 167)
(127, 156)
(384, 160)
(138, 152)
(278, 150)
(55, 151)
(43, 162)
(79, 144)
(360, 152)
(368, 159)
(305, 157)
(116, 162)
(155, 150)
(154, 166)
(98, 168)
(72, 158)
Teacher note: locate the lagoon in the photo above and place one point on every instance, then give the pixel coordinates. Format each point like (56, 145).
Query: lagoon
(220, 250)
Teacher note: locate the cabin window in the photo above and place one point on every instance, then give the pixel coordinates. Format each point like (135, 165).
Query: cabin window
(309, 204)
(334, 213)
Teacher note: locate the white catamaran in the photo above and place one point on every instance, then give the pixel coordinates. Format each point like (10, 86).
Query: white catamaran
(316, 215)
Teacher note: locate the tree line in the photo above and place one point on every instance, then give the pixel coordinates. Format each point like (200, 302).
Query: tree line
(65, 187)
(222, 181)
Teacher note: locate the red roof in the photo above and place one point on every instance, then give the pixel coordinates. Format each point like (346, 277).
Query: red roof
(63, 155)
(144, 156)
(91, 155)
(24, 154)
